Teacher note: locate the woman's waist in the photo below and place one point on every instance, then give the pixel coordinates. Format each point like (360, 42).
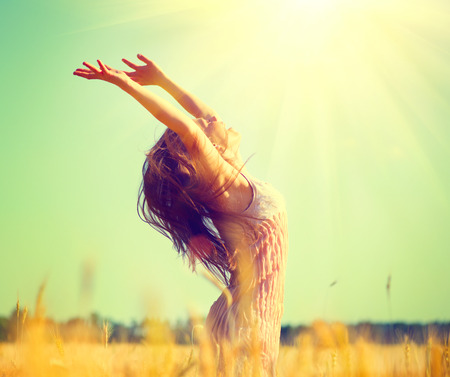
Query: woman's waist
(271, 285)
(247, 307)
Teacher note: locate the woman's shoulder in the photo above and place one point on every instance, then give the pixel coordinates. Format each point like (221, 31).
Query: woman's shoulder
(266, 201)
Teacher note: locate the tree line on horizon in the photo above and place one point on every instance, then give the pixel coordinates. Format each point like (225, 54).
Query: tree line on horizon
(155, 330)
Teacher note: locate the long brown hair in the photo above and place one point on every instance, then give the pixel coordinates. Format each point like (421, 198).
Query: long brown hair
(175, 201)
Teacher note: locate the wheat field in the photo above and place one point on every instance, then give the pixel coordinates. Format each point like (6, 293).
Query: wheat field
(37, 348)
(324, 351)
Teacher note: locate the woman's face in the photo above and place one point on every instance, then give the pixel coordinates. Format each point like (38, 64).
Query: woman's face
(227, 140)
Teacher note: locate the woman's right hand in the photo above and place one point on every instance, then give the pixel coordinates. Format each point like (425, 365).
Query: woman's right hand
(105, 73)
(148, 74)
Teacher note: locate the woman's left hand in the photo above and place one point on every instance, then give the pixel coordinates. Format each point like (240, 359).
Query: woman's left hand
(148, 74)
(105, 73)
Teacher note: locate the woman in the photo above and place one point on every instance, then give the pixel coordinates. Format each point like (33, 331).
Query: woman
(196, 191)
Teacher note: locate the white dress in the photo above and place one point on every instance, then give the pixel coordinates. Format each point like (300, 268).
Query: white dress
(251, 321)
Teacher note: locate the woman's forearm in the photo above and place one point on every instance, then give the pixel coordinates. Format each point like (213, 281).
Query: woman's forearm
(162, 110)
(152, 74)
(190, 102)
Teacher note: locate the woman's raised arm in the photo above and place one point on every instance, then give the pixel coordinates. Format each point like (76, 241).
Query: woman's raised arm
(216, 169)
(162, 110)
(152, 74)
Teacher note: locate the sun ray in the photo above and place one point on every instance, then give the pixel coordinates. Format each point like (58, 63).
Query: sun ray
(341, 79)
(138, 12)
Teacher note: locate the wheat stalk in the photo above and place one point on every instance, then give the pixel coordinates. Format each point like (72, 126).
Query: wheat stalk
(24, 317)
(445, 357)
(107, 332)
(17, 315)
(407, 352)
(428, 358)
(58, 341)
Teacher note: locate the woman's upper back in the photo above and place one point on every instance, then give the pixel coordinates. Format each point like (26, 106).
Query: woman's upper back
(264, 214)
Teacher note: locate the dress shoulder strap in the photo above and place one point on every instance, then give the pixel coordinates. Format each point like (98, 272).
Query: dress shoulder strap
(266, 200)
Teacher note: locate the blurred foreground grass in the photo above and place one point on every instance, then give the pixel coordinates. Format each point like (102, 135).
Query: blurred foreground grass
(37, 348)
(307, 358)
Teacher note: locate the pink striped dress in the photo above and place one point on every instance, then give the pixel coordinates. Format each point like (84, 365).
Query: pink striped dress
(254, 306)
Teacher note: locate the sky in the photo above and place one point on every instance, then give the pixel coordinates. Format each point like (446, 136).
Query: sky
(343, 106)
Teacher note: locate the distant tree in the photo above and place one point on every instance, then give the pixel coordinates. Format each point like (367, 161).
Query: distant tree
(12, 326)
(4, 325)
(182, 331)
(120, 333)
(95, 320)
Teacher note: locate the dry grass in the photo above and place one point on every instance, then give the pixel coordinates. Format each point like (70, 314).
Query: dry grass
(38, 356)
(324, 350)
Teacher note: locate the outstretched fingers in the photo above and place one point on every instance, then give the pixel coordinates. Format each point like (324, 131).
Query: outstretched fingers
(83, 73)
(91, 72)
(91, 67)
(102, 66)
(102, 72)
(130, 64)
(144, 59)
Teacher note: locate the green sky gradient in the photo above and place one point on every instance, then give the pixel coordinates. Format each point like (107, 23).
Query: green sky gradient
(344, 108)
